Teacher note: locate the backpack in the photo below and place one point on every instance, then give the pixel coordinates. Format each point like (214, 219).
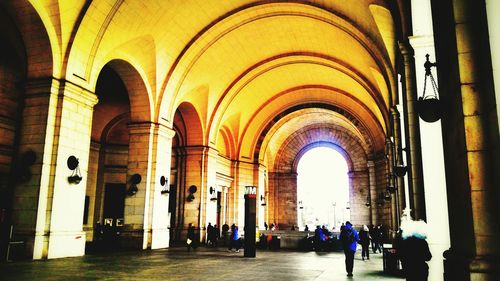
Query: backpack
(350, 237)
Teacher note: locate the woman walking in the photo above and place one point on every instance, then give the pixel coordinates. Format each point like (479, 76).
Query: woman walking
(364, 240)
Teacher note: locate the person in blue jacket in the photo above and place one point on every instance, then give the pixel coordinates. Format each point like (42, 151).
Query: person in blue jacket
(349, 238)
(234, 242)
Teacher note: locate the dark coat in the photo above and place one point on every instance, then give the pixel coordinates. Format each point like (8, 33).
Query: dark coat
(414, 254)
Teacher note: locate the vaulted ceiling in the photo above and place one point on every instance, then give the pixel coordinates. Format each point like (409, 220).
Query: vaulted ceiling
(253, 71)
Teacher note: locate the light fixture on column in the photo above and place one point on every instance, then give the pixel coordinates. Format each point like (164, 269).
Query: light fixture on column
(135, 179)
(368, 203)
(400, 169)
(429, 107)
(263, 200)
(192, 190)
(73, 165)
(391, 187)
(213, 194)
(386, 195)
(163, 182)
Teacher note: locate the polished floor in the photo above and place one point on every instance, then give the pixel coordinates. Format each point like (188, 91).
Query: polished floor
(202, 264)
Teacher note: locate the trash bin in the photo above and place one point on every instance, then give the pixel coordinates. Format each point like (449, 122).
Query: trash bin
(275, 243)
(391, 262)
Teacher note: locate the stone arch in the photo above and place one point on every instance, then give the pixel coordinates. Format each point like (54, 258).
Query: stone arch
(26, 71)
(226, 143)
(190, 123)
(317, 144)
(343, 112)
(140, 102)
(283, 175)
(40, 50)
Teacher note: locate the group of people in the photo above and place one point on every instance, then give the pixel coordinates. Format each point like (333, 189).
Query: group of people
(213, 236)
(410, 244)
(411, 248)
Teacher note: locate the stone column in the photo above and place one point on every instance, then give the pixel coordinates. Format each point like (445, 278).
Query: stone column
(413, 149)
(146, 212)
(284, 192)
(359, 189)
(200, 172)
(470, 135)
(48, 210)
(158, 209)
(136, 231)
(398, 160)
(244, 176)
(389, 179)
(372, 177)
(433, 169)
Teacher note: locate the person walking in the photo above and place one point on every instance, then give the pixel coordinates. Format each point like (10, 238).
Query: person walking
(234, 242)
(190, 239)
(210, 234)
(364, 240)
(413, 250)
(225, 229)
(349, 238)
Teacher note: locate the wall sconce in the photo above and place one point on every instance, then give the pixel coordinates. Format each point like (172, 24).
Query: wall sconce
(263, 200)
(192, 189)
(391, 188)
(301, 205)
(368, 203)
(163, 182)
(213, 194)
(73, 165)
(135, 179)
(429, 107)
(400, 170)
(386, 195)
(22, 171)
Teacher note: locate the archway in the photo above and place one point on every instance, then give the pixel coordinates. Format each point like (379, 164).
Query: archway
(322, 188)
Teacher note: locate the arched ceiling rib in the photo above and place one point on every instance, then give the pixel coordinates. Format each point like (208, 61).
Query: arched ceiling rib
(268, 79)
(256, 34)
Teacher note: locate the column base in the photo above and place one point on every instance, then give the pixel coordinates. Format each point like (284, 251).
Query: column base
(66, 244)
(460, 268)
(161, 238)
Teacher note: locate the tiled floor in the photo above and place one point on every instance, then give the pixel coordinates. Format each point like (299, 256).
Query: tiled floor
(202, 264)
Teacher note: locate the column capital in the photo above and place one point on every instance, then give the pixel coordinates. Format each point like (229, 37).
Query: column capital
(63, 88)
(405, 48)
(166, 131)
(143, 127)
(77, 93)
(395, 112)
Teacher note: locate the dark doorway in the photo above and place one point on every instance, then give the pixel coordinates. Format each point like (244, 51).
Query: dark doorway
(172, 201)
(114, 207)
(219, 207)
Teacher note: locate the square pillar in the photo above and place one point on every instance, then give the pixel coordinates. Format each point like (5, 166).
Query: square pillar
(146, 221)
(250, 222)
(48, 210)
